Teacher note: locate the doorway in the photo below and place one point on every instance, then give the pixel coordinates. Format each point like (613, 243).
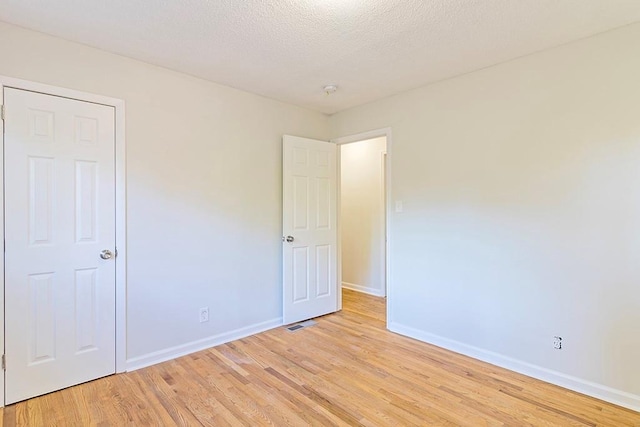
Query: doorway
(362, 216)
(363, 207)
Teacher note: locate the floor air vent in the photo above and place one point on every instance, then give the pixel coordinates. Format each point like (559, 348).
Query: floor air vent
(301, 325)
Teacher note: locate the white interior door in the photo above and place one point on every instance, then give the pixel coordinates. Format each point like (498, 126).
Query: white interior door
(309, 228)
(59, 217)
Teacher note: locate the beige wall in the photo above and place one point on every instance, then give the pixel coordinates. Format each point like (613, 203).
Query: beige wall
(362, 215)
(203, 190)
(521, 192)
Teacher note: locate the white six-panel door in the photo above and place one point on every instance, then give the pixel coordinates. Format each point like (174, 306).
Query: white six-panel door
(309, 225)
(59, 217)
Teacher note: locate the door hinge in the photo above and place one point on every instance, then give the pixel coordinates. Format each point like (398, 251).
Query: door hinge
(2, 112)
(4, 362)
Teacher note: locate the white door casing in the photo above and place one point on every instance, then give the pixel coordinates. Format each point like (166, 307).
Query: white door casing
(309, 175)
(59, 168)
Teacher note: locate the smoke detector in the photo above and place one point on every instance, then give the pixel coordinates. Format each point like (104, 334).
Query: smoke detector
(329, 89)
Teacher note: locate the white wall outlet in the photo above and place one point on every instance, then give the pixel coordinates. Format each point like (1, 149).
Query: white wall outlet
(399, 207)
(557, 343)
(204, 314)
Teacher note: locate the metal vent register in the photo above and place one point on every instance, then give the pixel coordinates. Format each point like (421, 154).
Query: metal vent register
(301, 325)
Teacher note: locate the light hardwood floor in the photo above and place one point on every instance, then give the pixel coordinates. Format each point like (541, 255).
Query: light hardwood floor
(346, 370)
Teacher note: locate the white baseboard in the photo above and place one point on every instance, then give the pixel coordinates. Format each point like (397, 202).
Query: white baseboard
(363, 289)
(192, 347)
(589, 388)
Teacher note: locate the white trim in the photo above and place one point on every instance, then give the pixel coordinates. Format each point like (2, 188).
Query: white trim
(371, 134)
(121, 232)
(363, 289)
(339, 226)
(383, 215)
(589, 388)
(386, 132)
(201, 344)
(2, 329)
(121, 240)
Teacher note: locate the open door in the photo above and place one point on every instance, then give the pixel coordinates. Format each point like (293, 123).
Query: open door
(309, 215)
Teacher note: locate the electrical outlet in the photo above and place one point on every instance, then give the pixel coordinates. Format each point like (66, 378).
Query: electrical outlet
(557, 343)
(204, 314)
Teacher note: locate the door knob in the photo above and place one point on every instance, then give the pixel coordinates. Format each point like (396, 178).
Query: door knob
(287, 239)
(106, 254)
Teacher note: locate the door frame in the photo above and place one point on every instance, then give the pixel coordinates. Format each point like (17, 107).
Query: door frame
(120, 207)
(376, 133)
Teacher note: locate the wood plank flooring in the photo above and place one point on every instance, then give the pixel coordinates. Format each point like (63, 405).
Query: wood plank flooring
(347, 370)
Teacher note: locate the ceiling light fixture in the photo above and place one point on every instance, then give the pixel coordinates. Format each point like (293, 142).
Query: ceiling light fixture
(329, 89)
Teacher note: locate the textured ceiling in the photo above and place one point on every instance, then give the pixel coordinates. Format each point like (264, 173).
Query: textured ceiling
(289, 49)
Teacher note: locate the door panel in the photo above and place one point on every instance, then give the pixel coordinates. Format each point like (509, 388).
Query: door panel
(59, 215)
(309, 216)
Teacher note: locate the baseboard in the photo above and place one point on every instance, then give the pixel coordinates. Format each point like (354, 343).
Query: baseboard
(589, 388)
(192, 347)
(363, 289)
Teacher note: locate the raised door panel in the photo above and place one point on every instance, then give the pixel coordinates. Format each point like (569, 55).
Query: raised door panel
(41, 318)
(86, 201)
(41, 197)
(86, 307)
(324, 206)
(300, 203)
(300, 274)
(323, 270)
